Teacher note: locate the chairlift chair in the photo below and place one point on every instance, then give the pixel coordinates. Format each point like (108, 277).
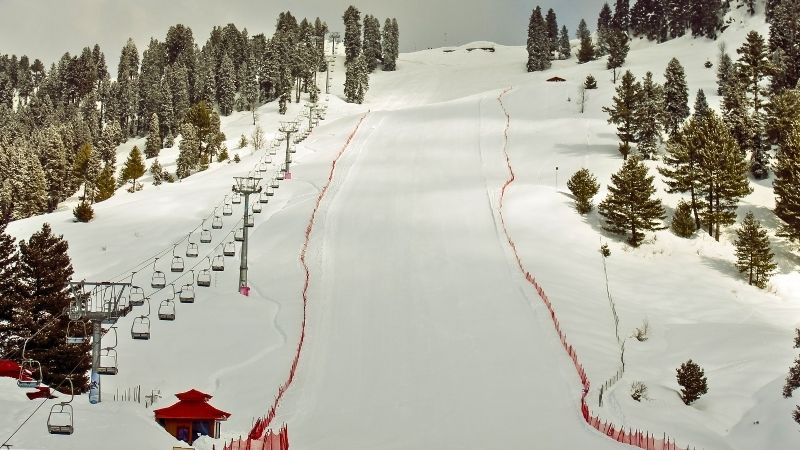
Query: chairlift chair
(108, 362)
(60, 419)
(158, 280)
(250, 223)
(217, 223)
(269, 191)
(275, 184)
(273, 151)
(218, 263)
(136, 294)
(263, 197)
(268, 159)
(77, 332)
(263, 167)
(204, 278)
(227, 210)
(192, 250)
(140, 328)
(229, 249)
(280, 176)
(166, 310)
(237, 198)
(177, 263)
(238, 236)
(187, 291)
(256, 208)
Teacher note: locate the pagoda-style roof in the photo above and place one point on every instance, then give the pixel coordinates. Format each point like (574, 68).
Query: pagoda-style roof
(193, 405)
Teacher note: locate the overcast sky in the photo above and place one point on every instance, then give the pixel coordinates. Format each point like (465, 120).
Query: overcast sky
(45, 29)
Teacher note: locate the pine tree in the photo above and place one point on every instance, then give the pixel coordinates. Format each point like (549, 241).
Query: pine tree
(45, 271)
(54, 163)
(29, 185)
(676, 97)
(705, 17)
(590, 82)
(106, 185)
(736, 115)
(701, 108)
(629, 206)
(551, 26)
(787, 184)
(792, 380)
(621, 19)
(618, 48)
(133, 169)
(189, 154)
(682, 222)
(352, 33)
(372, 42)
(692, 380)
(754, 66)
(83, 212)
(784, 34)
(356, 81)
(153, 144)
(583, 186)
(538, 43)
(564, 47)
(8, 283)
(586, 50)
(623, 112)
(677, 17)
(391, 42)
(649, 110)
(604, 26)
(226, 87)
(753, 253)
(157, 172)
(725, 71)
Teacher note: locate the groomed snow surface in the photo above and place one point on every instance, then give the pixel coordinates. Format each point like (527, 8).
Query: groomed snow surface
(421, 332)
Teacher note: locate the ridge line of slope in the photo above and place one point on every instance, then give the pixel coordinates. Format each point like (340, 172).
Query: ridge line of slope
(261, 425)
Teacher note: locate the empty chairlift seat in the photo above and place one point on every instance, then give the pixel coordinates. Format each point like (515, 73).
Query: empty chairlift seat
(274, 183)
(229, 249)
(237, 198)
(108, 362)
(140, 328)
(269, 191)
(263, 198)
(216, 223)
(192, 250)
(77, 332)
(166, 310)
(227, 210)
(218, 263)
(158, 280)
(205, 236)
(256, 208)
(61, 420)
(204, 278)
(250, 221)
(177, 264)
(238, 236)
(136, 296)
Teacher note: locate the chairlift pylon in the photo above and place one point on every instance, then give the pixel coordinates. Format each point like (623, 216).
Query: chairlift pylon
(30, 370)
(177, 262)
(158, 280)
(61, 420)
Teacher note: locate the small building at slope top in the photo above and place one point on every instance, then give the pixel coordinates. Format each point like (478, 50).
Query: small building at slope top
(191, 417)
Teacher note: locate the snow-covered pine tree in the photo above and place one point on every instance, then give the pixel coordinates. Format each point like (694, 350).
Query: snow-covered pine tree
(391, 40)
(45, 271)
(226, 86)
(586, 50)
(701, 108)
(128, 78)
(676, 97)
(753, 253)
(725, 70)
(189, 151)
(583, 185)
(753, 66)
(564, 47)
(157, 172)
(692, 381)
(106, 185)
(784, 34)
(181, 95)
(792, 380)
(677, 17)
(630, 206)
(538, 43)
(603, 27)
(618, 48)
(649, 111)
(590, 82)
(622, 11)
(623, 112)
(373, 52)
(54, 163)
(8, 282)
(250, 87)
(166, 112)
(154, 60)
(705, 17)
(29, 183)
(787, 185)
(352, 33)
(356, 81)
(133, 169)
(735, 113)
(551, 25)
(153, 143)
(682, 222)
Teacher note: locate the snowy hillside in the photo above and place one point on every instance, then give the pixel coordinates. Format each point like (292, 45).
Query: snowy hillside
(421, 333)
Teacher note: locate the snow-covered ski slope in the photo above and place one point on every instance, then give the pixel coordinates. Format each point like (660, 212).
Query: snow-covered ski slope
(421, 332)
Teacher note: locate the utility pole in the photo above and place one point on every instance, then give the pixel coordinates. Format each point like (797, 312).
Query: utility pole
(288, 128)
(334, 37)
(98, 303)
(245, 186)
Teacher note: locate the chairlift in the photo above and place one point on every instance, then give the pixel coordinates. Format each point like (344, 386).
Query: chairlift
(136, 294)
(30, 371)
(204, 278)
(166, 310)
(177, 262)
(237, 198)
(275, 184)
(187, 291)
(263, 198)
(263, 167)
(158, 280)
(273, 151)
(256, 207)
(238, 236)
(269, 191)
(227, 209)
(250, 222)
(217, 223)
(192, 250)
(218, 263)
(108, 362)
(229, 249)
(140, 329)
(77, 332)
(60, 419)
(280, 175)
(268, 159)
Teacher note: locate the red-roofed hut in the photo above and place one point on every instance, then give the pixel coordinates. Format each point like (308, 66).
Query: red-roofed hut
(191, 417)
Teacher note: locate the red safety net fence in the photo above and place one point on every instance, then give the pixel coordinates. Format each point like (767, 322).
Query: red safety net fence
(638, 438)
(261, 427)
(267, 441)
